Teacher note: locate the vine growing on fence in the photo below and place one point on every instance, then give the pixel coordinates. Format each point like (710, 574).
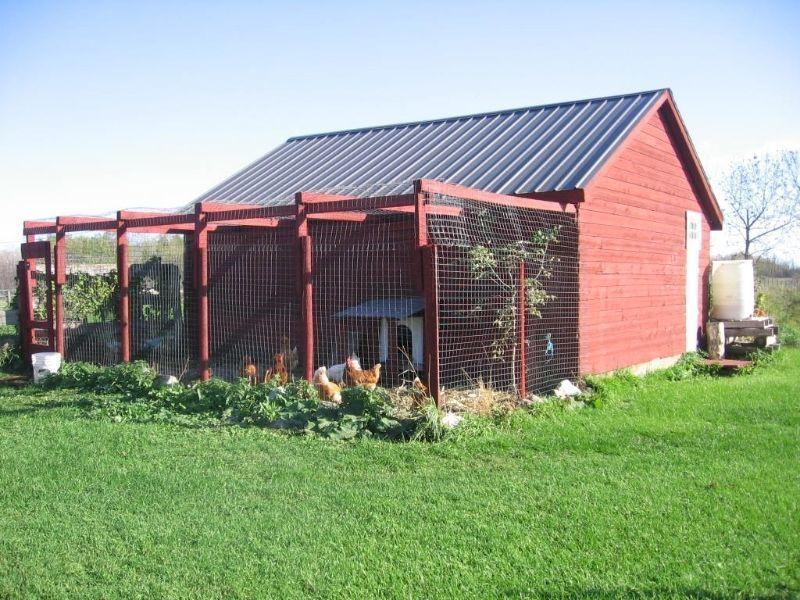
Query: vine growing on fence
(501, 266)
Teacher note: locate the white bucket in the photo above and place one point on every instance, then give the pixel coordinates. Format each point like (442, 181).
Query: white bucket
(44, 364)
(732, 289)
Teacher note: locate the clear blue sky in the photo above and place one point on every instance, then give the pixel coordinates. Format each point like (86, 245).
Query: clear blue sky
(115, 105)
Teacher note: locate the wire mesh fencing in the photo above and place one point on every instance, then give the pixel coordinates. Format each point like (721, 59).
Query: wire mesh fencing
(162, 298)
(254, 308)
(366, 305)
(507, 288)
(505, 277)
(91, 300)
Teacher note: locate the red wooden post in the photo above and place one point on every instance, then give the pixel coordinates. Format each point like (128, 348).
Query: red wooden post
(426, 255)
(308, 308)
(60, 253)
(431, 336)
(306, 285)
(124, 291)
(48, 280)
(521, 345)
(30, 282)
(23, 293)
(201, 269)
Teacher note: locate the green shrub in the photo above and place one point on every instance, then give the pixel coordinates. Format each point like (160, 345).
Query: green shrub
(430, 427)
(790, 335)
(362, 413)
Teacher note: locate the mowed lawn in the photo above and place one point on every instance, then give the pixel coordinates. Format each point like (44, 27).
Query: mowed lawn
(675, 489)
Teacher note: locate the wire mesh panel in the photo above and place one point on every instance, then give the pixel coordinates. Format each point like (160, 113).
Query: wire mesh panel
(366, 303)
(162, 298)
(496, 263)
(91, 300)
(41, 281)
(253, 299)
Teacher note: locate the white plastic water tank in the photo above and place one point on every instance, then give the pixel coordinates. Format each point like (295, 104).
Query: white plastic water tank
(732, 289)
(44, 364)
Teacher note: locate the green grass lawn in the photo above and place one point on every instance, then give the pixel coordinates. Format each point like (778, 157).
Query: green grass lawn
(673, 489)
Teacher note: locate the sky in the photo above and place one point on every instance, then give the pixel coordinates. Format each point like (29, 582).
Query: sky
(109, 105)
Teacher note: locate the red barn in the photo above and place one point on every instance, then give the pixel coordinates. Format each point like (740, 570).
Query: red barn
(515, 246)
(627, 159)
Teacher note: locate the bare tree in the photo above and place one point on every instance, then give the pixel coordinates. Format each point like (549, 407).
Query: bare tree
(762, 197)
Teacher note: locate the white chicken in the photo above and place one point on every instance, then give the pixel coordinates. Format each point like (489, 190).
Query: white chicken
(336, 372)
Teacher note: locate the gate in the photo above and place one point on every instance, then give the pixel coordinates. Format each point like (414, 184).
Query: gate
(36, 320)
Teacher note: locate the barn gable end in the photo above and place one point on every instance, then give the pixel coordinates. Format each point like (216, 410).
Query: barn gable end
(633, 246)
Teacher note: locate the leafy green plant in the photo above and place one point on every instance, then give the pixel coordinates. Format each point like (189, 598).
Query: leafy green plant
(10, 357)
(91, 298)
(362, 413)
(689, 365)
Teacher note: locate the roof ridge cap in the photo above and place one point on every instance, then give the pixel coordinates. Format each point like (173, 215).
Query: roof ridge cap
(492, 113)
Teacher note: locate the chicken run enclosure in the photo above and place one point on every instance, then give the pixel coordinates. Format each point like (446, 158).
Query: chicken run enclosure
(462, 287)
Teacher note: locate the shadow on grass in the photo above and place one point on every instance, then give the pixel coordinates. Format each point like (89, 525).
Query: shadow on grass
(30, 408)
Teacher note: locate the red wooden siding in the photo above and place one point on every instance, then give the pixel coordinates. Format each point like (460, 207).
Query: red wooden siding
(632, 254)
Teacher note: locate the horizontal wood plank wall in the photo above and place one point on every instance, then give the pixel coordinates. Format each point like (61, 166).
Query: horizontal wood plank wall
(633, 257)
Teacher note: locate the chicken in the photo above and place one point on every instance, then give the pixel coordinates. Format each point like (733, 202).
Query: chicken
(250, 371)
(336, 372)
(278, 371)
(290, 354)
(418, 393)
(366, 378)
(327, 389)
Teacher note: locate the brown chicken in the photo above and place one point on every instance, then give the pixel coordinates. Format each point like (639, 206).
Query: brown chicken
(418, 393)
(250, 371)
(327, 389)
(367, 378)
(278, 371)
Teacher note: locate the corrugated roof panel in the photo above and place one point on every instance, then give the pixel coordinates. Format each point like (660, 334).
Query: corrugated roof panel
(535, 149)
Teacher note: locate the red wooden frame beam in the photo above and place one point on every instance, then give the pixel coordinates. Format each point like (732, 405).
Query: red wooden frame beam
(155, 220)
(104, 225)
(565, 203)
(267, 214)
(360, 204)
(38, 227)
(210, 207)
(312, 197)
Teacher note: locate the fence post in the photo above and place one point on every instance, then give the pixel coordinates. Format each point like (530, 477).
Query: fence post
(201, 269)
(521, 359)
(23, 320)
(431, 337)
(426, 255)
(59, 280)
(30, 282)
(306, 273)
(124, 291)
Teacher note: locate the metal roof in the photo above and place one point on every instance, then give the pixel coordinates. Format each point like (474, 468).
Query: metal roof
(389, 308)
(535, 149)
